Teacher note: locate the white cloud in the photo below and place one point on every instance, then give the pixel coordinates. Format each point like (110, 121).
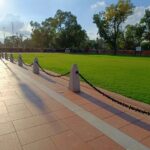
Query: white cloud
(12, 24)
(133, 19)
(137, 15)
(100, 4)
(92, 32)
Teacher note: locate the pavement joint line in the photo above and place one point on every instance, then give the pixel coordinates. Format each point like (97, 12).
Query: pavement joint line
(116, 135)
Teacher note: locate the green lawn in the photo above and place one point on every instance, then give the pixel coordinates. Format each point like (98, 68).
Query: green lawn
(129, 76)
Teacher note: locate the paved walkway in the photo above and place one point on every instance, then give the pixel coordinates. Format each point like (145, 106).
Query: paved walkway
(38, 112)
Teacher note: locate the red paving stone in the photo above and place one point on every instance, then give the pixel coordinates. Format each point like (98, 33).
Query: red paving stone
(146, 141)
(105, 143)
(82, 128)
(32, 120)
(70, 141)
(136, 132)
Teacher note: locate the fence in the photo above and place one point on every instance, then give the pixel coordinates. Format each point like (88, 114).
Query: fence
(87, 51)
(74, 82)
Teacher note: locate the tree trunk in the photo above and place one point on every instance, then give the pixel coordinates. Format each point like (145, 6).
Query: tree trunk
(115, 51)
(115, 47)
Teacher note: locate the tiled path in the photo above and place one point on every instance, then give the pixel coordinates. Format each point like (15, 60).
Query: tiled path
(40, 113)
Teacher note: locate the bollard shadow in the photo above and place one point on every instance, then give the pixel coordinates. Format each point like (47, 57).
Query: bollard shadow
(32, 97)
(115, 111)
(24, 67)
(47, 78)
(28, 92)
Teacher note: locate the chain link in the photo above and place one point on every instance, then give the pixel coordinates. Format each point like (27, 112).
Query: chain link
(61, 75)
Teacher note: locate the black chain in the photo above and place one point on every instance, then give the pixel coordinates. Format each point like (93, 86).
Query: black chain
(29, 65)
(113, 99)
(61, 75)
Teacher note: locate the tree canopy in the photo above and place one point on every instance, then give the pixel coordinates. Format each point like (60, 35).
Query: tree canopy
(61, 31)
(109, 22)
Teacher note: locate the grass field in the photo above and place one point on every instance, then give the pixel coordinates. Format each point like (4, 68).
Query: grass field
(129, 76)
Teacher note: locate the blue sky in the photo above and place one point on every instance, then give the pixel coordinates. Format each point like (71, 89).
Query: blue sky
(21, 12)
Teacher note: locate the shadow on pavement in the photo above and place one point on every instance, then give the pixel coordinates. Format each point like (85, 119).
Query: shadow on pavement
(115, 111)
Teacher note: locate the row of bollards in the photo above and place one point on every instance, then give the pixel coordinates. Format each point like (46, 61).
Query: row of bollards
(74, 82)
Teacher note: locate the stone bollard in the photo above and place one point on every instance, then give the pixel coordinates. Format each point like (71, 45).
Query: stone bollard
(35, 66)
(20, 62)
(11, 58)
(6, 56)
(74, 82)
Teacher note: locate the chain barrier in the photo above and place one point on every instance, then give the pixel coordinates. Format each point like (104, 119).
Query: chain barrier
(61, 75)
(113, 99)
(28, 65)
(95, 88)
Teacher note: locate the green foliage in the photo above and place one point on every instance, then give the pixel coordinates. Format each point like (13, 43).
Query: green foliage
(109, 22)
(13, 41)
(61, 31)
(129, 76)
(133, 36)
(27, 43)
(146, 22)
(145, 45)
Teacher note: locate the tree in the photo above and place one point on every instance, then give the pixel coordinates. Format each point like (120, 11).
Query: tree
(13, 41)
(1, 45)
(27, 43)
(109, 22)
(133, 35)
(146, 22)
(61, 31)
(38, 36)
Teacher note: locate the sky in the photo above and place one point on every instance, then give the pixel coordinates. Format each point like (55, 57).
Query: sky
(15, 15)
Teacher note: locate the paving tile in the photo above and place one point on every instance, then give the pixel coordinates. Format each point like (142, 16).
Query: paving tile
(84, 130)
(54, 106)
(16, 108)
(34, 121)
(6, 128)
(117, 121)
(20, 115)
(103, 113)
(45, 144)
(3, 109)
(63, 113)
(2, 104)
(77, 99)
(104, 143)
(146, 141)
(136, 132)
(36, 133)
(4, 118)
(13, 101)
(9, 142)
(9, 93)
(146, 119)
(90, 107)
(134, 114)
(33, 134)
(37, 108)
(69, 141)
(10, 96)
